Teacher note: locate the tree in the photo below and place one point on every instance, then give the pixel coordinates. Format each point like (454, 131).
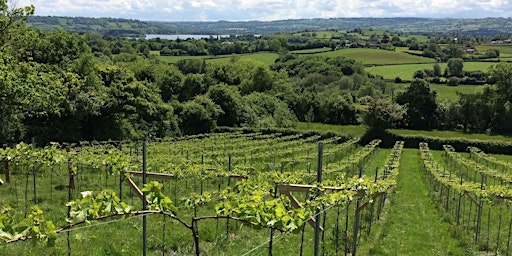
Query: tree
(338, 109)
(453, 81)
(437, 70)
(502, 74)
(198, 115)
(263, 110)
(230, 101)
(11, 18)
(169, 80)
(455, 67)
(420, 103)
(420, 74)
(382, 114)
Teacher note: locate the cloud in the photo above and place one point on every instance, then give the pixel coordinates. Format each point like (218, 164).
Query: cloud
(193, 10)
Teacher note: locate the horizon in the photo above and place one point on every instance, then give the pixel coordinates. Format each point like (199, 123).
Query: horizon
(268, 10)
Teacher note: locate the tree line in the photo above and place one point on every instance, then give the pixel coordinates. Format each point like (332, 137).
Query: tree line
(62, 86)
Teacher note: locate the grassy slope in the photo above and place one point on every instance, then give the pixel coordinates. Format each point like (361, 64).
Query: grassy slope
(378, 57)
(359, 130)
(444, 92)
(406, 72)
(411, 225)
(454, 134)
(266, 57)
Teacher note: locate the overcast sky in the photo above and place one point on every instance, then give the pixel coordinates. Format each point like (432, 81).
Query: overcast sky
(243, 10)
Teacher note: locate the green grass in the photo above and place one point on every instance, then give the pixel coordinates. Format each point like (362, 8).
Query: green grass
(406, 72)
(444, 92)
(310, 51)
(454, 135)
(267, 58)
(359, 130)
(411, 224)
(378, 57)
(504, 49)
(354, 130)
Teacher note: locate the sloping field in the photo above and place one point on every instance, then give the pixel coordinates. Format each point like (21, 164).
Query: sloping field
(406, 72)
(445, 92)
(266, 57)
(378, 57)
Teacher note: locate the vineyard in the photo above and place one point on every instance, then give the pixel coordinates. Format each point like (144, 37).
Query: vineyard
(236, 194)
(211, 194)
(474, 191)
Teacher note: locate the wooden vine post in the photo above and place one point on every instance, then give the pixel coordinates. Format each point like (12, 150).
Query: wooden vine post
(318, 180)
(144, 201)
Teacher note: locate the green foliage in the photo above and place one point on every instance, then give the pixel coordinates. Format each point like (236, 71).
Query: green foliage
(263, 110)
(91, 206)
(11, 18)
(157, 199)
(419, 74)
(198, 115)
(230, 102)
(382, 114)
(437, 70)
(420, 103)
(453, 81)
(455, 67)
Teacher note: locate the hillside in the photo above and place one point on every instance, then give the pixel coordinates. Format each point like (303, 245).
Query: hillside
(111, 26)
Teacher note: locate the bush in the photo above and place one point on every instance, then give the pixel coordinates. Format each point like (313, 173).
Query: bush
(435, 80)
(453, 81)
(398, 80)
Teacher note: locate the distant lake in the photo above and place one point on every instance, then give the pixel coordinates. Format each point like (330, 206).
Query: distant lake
(183, 37)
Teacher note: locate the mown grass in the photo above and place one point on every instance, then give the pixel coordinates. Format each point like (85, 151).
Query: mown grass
(411, 224)
(406, 72)
(504, 49)
(444, 92)
(360, 130)
(311, 51)
(454, 135)
(267, 58)
(369, 56)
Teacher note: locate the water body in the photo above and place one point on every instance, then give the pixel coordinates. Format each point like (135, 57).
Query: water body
(183, 37)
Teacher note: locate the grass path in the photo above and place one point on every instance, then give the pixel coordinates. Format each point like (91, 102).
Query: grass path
(411, 225)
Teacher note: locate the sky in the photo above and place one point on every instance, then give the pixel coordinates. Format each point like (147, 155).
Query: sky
(267, 10)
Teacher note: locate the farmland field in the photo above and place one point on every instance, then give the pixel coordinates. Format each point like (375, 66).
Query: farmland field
(364, 55)
(504, 49)
(267, 58)
(378, 57)
(444, 92)
(406, 72)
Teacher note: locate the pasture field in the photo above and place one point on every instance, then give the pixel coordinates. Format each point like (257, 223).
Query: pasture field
(444, 92)
(312, 51)
(504, 49)
(406, 72)
(364, 55)
(378, 57)
(267, 58)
